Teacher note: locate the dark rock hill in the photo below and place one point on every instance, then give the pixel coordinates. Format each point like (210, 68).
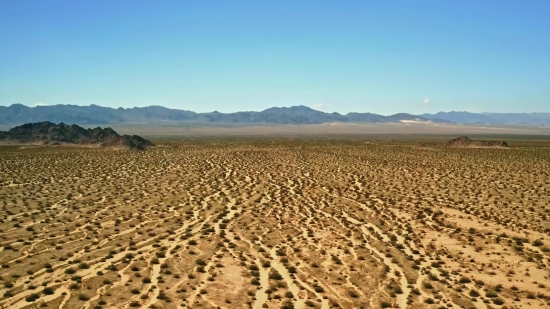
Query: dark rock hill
(48, 133)
(464, 141)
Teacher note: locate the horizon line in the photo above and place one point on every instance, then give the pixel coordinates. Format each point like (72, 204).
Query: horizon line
(259, 111)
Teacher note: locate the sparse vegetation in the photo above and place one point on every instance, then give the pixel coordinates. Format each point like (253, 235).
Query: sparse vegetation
(334, 222)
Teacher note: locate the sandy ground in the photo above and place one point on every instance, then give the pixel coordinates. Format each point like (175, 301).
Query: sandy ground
(407, 128)
(270, 223)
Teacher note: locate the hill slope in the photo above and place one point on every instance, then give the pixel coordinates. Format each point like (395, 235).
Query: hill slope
(47, 133)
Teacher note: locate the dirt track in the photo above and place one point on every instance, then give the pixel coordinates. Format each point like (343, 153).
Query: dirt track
(290, 224)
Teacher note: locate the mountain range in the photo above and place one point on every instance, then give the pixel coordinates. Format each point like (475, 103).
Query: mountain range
(94, 114)
(535, 119)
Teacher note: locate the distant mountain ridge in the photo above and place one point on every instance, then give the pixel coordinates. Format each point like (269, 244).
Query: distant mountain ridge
(51, 133)
(536, 119)
(94, 114)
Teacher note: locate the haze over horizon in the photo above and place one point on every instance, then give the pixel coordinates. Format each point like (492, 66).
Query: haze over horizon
(314, 107)
(354, 56)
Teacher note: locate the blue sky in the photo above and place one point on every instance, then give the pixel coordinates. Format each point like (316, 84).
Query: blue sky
(365, 56)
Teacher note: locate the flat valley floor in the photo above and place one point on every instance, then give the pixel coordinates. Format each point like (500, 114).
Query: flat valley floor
(276, 223)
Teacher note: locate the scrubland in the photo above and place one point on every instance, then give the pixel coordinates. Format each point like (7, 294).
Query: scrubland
(304, 223)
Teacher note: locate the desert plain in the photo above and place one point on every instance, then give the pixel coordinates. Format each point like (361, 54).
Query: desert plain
(332, 222)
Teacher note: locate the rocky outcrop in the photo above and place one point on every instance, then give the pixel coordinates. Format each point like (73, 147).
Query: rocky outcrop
(464, 141)
(51, 133)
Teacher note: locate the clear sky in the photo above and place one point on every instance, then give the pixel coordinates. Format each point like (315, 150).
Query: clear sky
(364, 56)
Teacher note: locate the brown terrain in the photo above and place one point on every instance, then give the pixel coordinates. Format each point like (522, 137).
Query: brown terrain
(276, 223)
(189, 130)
